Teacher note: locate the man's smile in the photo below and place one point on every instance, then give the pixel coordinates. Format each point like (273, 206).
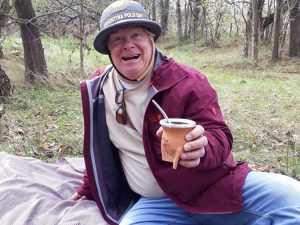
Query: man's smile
(133, 57)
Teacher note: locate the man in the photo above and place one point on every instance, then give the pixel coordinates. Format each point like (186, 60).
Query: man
(125, 174)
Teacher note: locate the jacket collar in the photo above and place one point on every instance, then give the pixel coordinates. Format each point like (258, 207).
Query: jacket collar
(166, 72)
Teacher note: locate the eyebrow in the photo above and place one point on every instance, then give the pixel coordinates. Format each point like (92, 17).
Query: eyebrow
(133, 28)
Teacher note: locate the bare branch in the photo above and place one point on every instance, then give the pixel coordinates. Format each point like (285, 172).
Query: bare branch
(26, 21)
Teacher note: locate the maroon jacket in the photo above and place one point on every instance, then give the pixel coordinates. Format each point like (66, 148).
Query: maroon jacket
(215, 186)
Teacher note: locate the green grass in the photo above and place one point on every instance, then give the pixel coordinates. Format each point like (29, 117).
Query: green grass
(260, 101)
(43, 122)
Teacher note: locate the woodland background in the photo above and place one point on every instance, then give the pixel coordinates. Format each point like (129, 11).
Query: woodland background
(249, 49)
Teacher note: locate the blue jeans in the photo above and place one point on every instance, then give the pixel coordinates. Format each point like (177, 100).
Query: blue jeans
(268, 199)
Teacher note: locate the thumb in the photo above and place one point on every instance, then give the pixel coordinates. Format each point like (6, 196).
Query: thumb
(159, 132)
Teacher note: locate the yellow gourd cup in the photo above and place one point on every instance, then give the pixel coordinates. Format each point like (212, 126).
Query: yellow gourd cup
(173, 138)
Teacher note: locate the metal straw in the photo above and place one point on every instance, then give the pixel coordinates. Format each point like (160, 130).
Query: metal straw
(162, 111)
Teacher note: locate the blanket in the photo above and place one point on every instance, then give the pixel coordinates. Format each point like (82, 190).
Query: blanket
(33, 192)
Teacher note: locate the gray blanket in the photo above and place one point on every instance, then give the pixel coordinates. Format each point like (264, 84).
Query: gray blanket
(36, 193)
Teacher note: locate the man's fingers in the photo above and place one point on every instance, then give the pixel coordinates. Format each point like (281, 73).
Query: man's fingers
(199, 153)
(196, 144)
(76, 196)
(83, 198)
(195, 133)
(190, 163)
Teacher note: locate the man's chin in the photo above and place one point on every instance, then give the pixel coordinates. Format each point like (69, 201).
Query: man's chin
(131, 74)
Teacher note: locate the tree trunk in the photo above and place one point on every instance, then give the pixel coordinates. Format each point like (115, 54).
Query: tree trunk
(283, 37)
(196, 18)
(164, 16)
(82, 34)
(276, 35)
(205, 24)
(179, 20)
(247, 19)
(153, 5)
(4, 9)
(186, 17)
(34, 59)
(267, 20)
(294, 47)
(218, 26)
(260, 7)
(235, 22)
(254, 30)
(5, 86)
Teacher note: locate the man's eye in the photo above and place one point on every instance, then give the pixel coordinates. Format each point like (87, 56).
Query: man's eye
(136, 35)
(116, 39)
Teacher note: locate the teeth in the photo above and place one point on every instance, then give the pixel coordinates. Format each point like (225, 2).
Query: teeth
(131, 57)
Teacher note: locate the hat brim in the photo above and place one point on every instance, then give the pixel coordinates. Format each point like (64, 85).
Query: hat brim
(101, 38)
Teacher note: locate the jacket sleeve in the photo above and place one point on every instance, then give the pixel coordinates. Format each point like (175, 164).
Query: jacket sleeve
(218, 149)
(204, 108)
(84, 188)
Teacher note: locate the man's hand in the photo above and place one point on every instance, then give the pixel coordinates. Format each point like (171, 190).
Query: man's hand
(193, 149)
(78, 197)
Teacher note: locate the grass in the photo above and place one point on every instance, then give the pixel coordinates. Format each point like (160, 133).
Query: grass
(43, 123)
(260, 101)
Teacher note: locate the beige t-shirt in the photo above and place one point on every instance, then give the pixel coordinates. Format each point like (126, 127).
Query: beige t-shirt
(128, 138)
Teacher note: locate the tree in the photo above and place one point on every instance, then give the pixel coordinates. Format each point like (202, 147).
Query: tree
(235, 20)
(179, 19)
(276, 35)
(164, 16)
(82, 34)
(267, 21)
(218, 20)
(205, 23)
(5, 86)
(34, 59)
(153, 7)
(294, 46)
(260, 6)
(254, 30)
(196, 17)
(247, 19)
(187, 18)
(4, 10)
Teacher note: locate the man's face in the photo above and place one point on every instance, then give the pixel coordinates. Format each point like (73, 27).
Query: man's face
(131, 51)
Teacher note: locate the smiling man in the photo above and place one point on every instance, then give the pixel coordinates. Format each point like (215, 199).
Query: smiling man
(125, 173)
(131, 51)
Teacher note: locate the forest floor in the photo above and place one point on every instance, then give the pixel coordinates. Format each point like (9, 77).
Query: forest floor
(260, 102)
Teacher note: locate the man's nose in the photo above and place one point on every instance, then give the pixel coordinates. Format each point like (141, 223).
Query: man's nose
(129, 43)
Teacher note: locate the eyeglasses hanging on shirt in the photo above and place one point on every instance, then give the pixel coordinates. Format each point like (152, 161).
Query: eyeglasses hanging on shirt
(121, 114)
